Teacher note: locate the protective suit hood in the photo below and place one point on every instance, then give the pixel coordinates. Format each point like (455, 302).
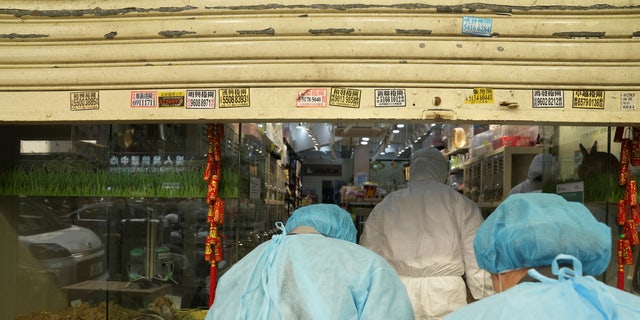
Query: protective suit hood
(328, 219)
(429, 164)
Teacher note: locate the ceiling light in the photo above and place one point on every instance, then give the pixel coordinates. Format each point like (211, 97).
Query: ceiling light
(400, 125)
(395, 130)
(365, 138)
(300, 125)
(364, 143)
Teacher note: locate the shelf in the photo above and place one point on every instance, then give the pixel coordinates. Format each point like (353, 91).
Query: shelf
(457, 151)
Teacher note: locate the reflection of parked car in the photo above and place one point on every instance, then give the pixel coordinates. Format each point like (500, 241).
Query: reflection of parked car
(71, 253)
(105, 217)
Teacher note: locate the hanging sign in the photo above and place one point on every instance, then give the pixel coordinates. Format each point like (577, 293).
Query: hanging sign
(144, 99)
(316, 97)
(171, 99)
(390, 98)
(588, 99)
(84, 100)
(477, 26)
(201, 99)
(480, 95)
(628, 101)
(345, 97)
(547, 99)
(234, 98)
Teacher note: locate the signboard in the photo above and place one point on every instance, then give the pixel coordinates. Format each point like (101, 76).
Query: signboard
(588, 99)
(316, 97)
(145, 162)
(390, 98)
(84, 100)
(573, 191)
(171, 99)
(628, 101)
(234, 98)
(254, 188)
(345, 97)
(480, 95)
(477, 26)
(547, 99)
(144, 99)
(201, 99)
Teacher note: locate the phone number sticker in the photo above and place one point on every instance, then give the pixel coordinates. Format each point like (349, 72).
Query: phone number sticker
(628, 101)
(588, 99)
(477, 26)
(234, 98)
(345, 97)
(201, 99)
(84, 100)
(390, 98)
(480, 95)
(316, 97)
(547, 99)
(144, 99)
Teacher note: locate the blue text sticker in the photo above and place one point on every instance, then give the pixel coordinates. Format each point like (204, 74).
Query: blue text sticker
(477, 26)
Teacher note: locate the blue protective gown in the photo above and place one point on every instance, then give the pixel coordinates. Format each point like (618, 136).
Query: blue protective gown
(571, 296)
(312, 276)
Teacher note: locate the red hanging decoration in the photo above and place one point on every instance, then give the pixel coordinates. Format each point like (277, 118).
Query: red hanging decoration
(634, 148)
(631, 232)
(622, 212)
(215, 214)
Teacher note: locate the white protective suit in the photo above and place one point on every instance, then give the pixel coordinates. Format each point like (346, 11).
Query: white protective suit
(426, 233)
(543, 168)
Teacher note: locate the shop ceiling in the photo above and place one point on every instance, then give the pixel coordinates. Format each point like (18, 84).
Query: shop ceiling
(385, 141)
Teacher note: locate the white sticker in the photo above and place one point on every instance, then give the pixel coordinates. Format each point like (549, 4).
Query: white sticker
(201, 99)
(390, 98)
(547, 99)
(316, 97)
(144, 99)
(628, 100)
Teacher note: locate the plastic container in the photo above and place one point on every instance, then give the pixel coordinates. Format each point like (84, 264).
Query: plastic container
(511, 136)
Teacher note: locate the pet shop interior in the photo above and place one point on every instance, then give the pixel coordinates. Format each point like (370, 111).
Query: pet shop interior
(132, 177)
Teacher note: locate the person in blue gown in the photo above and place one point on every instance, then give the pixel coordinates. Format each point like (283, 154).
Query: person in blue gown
(543, 253)
(312, 270)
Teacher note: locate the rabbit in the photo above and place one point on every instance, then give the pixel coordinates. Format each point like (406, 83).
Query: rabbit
(596, 164)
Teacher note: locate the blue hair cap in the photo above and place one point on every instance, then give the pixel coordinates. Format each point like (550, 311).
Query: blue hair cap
(328, 219)
(529, 230)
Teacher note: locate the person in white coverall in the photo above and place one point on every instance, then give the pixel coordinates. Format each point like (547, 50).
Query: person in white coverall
(426, 233)
(542, 169)
(313, 270)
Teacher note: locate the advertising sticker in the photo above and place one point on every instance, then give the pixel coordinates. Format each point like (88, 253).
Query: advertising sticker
(477, 26)
(201, 99)
(588, 99)
(234, 98)
(345, 97)
(84, 100)
(316, 97)
(628, 100)
(144, 99)
(547, 99)
(390, 98)
(171, 99)
(480, 95)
